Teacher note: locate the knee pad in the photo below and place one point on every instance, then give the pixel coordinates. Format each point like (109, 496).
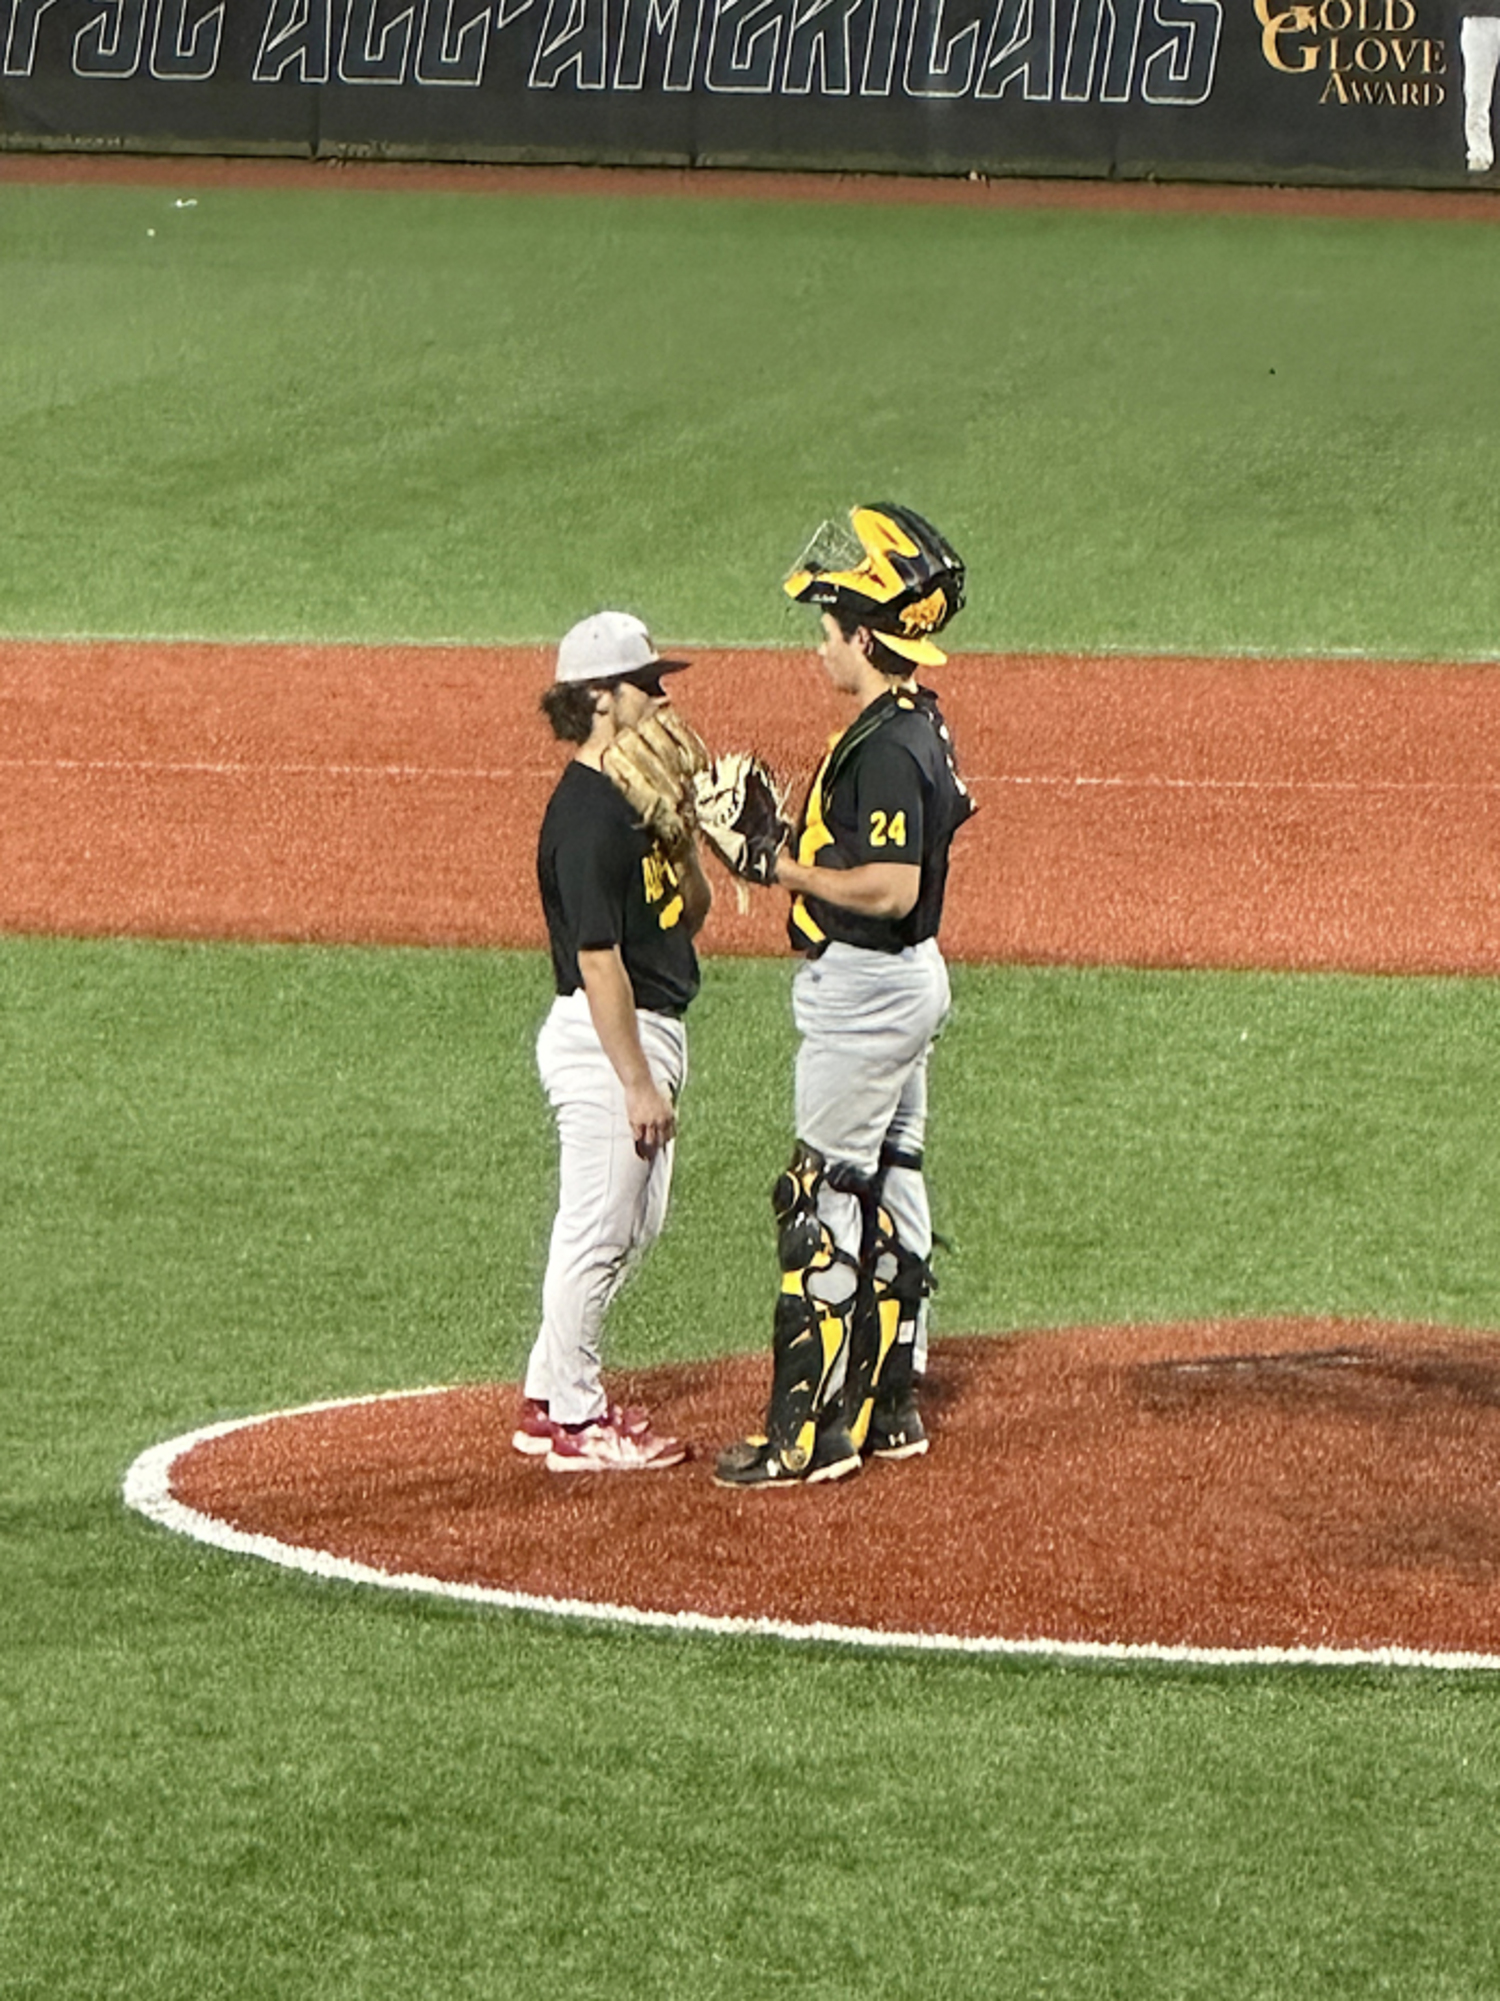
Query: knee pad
(811, 1259)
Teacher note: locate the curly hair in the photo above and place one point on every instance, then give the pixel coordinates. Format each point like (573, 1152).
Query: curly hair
(569, 707)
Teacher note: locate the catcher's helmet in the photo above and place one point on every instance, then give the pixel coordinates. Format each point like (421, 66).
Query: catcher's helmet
(894, 574)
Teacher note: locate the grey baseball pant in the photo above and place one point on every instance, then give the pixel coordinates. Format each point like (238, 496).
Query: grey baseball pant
(868, 1021)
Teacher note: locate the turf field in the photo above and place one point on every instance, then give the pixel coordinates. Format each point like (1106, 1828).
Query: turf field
(386, 416)
(237, 1177)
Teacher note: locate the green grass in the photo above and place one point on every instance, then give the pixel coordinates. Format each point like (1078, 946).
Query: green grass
(235, 1177)
(448, 416)
(270, 1789)
(1143, 1146)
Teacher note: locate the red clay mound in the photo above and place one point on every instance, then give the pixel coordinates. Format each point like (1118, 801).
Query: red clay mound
(1237, 1485)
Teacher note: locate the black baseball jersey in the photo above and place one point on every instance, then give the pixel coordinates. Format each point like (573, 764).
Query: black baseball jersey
(888, 791)
(606, 881)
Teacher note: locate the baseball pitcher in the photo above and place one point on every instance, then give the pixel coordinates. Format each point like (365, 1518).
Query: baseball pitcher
(624, 897)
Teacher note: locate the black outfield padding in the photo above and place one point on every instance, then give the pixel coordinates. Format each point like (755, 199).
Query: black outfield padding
(1343, 91)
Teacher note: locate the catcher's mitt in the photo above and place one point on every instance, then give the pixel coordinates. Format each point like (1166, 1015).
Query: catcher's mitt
(655, 766)
(740, 810)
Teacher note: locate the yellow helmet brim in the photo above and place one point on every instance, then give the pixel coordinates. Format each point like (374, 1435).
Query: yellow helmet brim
(921, 652)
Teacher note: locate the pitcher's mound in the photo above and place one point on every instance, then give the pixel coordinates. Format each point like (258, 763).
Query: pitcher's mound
(1236, 1485)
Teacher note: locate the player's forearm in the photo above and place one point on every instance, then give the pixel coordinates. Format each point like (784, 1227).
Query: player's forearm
(612, 1007)
(874, 889)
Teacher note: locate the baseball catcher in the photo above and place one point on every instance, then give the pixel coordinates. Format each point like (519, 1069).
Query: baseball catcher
(866, 872)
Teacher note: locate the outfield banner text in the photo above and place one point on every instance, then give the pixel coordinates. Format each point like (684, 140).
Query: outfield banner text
(1338, 90)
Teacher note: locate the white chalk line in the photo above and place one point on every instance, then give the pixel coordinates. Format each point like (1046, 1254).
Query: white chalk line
(1169, 653)
(148, 1490)
(1161, 783)
(499, 774)
(263, 768)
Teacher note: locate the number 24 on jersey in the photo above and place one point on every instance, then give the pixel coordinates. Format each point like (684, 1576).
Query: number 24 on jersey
(887, 830)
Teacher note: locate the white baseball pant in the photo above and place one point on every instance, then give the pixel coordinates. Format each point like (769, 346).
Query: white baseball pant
(1479, 38)
(610, 1206)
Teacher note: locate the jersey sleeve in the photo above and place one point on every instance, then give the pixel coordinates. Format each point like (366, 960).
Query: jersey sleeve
(888, 802)
(594, 870)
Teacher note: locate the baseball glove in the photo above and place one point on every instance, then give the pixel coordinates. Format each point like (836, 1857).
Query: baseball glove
(655, 766)
(740, 810)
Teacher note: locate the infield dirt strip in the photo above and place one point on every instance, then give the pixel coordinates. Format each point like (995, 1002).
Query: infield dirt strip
(1277, 1485)
(1243, 813)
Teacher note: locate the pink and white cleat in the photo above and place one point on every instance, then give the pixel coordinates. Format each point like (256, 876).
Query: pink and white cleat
(619, 1442)
(535, 1430)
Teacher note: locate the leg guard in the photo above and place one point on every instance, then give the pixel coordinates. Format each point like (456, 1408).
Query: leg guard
(895, 1284)
(895, 1429)
(804, 1437)
(873, 1329)
(811, 1330)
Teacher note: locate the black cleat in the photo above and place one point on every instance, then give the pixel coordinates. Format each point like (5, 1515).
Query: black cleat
(897, 1432)
(755, 1462)
(835, 1454)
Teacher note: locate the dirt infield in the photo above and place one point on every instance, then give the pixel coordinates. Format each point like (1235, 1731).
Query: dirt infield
(1240, 813)
(1280, 1484)
(1480, 205)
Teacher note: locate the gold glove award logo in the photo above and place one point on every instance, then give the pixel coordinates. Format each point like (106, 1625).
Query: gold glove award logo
(1362, 51)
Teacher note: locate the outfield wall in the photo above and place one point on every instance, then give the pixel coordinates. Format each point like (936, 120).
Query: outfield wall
(1338, 91)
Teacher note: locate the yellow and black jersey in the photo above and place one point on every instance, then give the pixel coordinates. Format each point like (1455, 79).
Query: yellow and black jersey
(887, 791)
(604, 881)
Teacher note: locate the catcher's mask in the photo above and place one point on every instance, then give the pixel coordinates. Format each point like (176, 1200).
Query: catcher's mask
(893, 573)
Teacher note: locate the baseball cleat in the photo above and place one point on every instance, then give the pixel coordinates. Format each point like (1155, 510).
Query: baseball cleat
(609, 1445)
(897, 1433)
(755, 1462)
(535, 1430)
(835, 1454)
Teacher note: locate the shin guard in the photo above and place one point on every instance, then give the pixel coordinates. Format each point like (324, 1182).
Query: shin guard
(894, 1284)
(876, 1318)
(811, 1328)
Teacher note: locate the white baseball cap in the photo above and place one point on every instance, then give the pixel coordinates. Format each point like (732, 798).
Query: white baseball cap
(610, 646)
